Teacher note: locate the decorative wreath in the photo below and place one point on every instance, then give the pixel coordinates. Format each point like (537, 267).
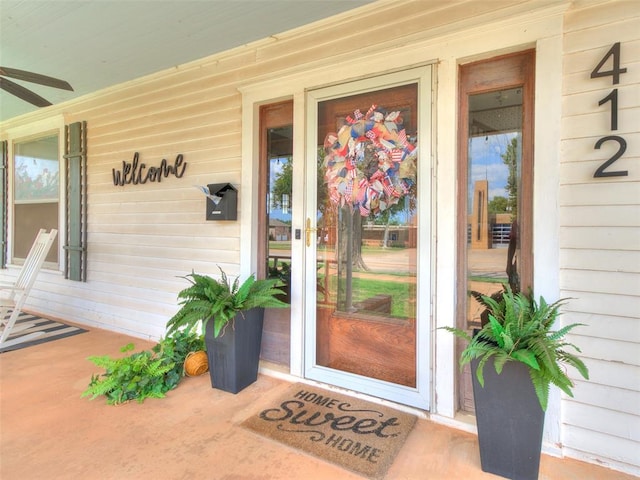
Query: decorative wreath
(370, 163)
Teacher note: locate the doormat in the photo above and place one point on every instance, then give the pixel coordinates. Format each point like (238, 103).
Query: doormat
(355, 434)
(48, 330)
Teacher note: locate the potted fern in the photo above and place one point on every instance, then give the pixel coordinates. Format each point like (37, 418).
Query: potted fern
(511, 396)
(232, 316)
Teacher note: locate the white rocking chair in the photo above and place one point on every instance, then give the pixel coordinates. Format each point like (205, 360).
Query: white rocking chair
(14, 295)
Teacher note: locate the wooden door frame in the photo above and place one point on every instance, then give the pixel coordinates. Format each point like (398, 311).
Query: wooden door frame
(497, 73)
(272, 115)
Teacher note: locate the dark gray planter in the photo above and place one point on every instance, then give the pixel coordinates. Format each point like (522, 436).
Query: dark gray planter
(234, 356)
(510, 421)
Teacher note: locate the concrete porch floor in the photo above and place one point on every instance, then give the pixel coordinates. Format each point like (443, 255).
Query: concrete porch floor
(48, 432)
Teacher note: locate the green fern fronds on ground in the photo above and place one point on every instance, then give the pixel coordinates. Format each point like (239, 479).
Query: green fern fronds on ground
(144, 374)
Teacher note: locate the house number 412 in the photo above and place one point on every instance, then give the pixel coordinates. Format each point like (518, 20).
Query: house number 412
(612, 98)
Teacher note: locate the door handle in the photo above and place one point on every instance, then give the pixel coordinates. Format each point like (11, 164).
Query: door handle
(308, 231)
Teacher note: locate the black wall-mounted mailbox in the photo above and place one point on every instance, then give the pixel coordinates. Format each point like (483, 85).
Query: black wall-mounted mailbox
(223, 202)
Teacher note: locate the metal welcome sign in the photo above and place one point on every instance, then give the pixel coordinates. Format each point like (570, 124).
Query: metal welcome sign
(136, 172)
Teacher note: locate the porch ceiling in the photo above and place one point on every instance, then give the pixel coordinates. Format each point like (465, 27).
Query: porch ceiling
(94, 44)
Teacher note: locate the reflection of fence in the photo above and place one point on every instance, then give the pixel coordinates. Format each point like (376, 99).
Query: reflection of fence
(397, 235)
(499, 234)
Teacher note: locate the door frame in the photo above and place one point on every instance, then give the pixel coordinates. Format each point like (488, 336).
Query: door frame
(420, 395)
(513, 70)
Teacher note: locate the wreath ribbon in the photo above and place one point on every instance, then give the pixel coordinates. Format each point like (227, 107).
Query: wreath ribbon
(370, 164)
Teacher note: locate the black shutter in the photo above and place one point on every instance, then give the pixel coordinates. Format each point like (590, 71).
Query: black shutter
(75, 267)
(3, 195)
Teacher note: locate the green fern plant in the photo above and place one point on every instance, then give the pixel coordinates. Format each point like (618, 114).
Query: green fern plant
(145, 374)
(220, 300)
(519, 329)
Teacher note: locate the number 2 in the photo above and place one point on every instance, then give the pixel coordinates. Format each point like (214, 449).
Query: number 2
(622, 147)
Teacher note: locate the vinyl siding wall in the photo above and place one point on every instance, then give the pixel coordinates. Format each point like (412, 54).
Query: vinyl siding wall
(600, 235)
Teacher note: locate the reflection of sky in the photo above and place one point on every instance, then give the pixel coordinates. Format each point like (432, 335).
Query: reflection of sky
(485, 158)
(36, 178)
(35, 167)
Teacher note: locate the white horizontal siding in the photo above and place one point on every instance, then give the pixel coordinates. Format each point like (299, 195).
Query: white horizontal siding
(607, 326)
(620, 452)
(600, 237)
(605, 421)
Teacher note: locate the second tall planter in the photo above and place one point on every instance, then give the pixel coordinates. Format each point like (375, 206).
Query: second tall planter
(510, 421)
(235, 355)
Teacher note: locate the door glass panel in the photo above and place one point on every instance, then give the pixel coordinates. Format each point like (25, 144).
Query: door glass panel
(366, 236)
(493, 196)
(279, 208)
(277, 151)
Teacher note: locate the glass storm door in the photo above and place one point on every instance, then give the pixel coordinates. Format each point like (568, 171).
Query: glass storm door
(364, 240)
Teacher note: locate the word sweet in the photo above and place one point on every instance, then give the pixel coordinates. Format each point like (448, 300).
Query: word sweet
(135, 172)
(293, 412)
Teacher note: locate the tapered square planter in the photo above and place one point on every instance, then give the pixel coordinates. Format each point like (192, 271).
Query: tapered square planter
(510, 421)
(234, 356)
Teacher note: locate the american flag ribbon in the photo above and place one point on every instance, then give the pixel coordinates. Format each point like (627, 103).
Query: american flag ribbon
(396, 155)
(402, 137)
(349, 191)
(372, 109)
(377, 175)
(387, 186)
(364, 211)
(358, 114)
(373, 136)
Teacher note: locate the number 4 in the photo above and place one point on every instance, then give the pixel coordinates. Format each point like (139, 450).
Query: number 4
(615, 71)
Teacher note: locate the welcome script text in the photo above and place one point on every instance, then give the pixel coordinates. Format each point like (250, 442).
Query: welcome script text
(136, 172)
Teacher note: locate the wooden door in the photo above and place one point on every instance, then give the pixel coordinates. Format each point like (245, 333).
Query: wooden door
(366, 300)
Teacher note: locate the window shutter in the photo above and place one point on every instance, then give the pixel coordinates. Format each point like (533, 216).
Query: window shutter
(76, 201)
(3, 195)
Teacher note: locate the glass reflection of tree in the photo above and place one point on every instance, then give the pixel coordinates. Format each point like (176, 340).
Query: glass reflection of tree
(510, 158)
(282, 186)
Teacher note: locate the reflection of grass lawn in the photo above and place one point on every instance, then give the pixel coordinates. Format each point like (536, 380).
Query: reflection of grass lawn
(402, 294)
(279, 245)
(368, 249)
(484, 279)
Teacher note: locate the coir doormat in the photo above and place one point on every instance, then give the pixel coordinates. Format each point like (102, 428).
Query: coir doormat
(353, 433)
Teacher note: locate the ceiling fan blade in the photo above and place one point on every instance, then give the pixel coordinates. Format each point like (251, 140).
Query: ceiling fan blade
(35, 78)
(22, 93)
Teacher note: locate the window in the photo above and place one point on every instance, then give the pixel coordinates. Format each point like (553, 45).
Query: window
(495, 185)
(36, 193)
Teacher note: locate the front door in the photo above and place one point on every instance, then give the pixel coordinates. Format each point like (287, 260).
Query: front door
(367, 237)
